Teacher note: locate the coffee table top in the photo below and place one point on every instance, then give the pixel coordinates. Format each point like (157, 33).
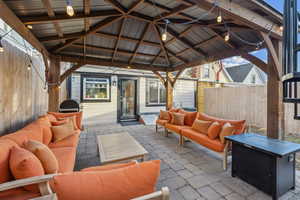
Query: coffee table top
(118, 147)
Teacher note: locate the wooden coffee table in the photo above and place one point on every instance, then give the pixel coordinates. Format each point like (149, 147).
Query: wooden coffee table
(119, 147)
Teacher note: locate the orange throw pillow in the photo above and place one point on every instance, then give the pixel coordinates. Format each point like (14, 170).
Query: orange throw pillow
(214, 130)
(44, 154)
(189, 117)
(227, 130)
(124, 183)
(201, 126)
(177, 119)
(58, 123)
(24, 164)
(109, 167)
(164, 115)
(62, 131)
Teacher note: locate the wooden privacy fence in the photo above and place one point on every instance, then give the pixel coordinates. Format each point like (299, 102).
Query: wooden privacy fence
(245, 102)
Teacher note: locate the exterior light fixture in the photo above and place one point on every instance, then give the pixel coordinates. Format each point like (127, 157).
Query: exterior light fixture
(128, 67)
(29, 67)
(281, 28)
(58, 87)
(227, 37)
(29, 27)
(219, 19)
(69, 9)
(165, 34)
(1, 46)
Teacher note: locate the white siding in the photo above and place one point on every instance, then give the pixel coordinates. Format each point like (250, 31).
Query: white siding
(248, 79)
(184, 93)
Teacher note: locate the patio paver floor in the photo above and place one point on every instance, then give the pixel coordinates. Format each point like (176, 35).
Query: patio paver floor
(191, 172)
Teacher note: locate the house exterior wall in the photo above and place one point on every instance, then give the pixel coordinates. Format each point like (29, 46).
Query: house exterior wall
(248, 79)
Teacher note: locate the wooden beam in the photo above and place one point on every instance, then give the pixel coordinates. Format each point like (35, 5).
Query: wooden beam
(87, 11)
(67, 73)
(174, 11)
(241, 14)
(104, 23)
(157, 56)
(124, 52)
(106, 62)
(273, 54)
(169, 91)
(160, 77)
(156, 30)
(176, 77)
(134, 6)
(54, 82)
(51, 13)
(119, 36)
(185, 42)
(256, 61)
(118, 6)
(14, 22)
(41, 19)
(140, 42)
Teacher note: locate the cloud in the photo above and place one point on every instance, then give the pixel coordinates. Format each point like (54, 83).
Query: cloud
(236, 60)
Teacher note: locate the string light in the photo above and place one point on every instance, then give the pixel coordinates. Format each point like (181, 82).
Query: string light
(219, 18)
(227, 37)
(164, 36)
(29, 27)
(29, 67)
(1, 47)
(281, 28)
(69, 8)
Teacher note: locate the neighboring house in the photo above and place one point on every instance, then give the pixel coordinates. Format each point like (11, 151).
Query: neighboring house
(209, 72)
(247, 74)
(112, 94)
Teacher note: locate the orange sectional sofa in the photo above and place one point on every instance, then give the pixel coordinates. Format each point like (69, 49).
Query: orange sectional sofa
(114, 182)
(186, 131)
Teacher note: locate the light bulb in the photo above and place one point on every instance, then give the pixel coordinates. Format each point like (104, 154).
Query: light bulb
(58, 87)
(1, 47)
(29, 67)
(227, 37)
(281, 28)
(164, 36)
(128, 67)
(29, 27)
(219, 19)
(70, 10)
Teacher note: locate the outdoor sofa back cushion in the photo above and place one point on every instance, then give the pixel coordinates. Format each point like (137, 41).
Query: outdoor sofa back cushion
(116, 184)
(64, 115)
(239, 125)
(177, 119)
(201, 126)
(164, 115)
(189, 117)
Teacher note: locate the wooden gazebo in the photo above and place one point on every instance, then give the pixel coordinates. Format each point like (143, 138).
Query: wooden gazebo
(127, 34)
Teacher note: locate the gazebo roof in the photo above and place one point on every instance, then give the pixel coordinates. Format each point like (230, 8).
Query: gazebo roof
(128, 32)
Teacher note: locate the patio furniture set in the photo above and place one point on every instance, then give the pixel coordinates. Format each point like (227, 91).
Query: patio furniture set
(37, 162)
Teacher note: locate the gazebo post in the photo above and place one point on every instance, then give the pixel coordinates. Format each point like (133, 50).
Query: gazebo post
(169, 91)
(275, 106)
(54, 82)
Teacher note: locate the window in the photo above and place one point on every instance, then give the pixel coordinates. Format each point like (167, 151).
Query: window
(96, 88)
(253, 79)
(155, 92)
(206, 71)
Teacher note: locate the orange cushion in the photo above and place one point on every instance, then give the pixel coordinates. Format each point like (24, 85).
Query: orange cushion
(46, 130)
(175, 128)
(124, 183)
(44, 154)
(203, 139)
(177, 119)
(161, 122)
(164, 115)
(201, 126)
(58, 123)
(70, 141)
(239, 125)
(227, 130)
(18, 194)
(62, 131)
(189, 117)
(65, 157)
(24, 164)
(64, 115)
(51, 117)
(174, 110)
(109, 167)
(214, 130)
(5, 147)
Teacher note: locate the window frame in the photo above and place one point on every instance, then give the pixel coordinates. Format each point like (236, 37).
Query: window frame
(82, 90)
(206, 72)
(148, 104)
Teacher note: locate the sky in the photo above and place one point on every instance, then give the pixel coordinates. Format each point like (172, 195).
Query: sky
(262, 54)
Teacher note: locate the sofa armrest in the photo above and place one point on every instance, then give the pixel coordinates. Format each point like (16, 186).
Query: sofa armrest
(163, 194)
(42, 181)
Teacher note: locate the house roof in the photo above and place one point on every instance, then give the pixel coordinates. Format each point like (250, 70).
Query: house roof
(239, 73)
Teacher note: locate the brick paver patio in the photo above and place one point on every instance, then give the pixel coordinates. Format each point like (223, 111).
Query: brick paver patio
(190, 172)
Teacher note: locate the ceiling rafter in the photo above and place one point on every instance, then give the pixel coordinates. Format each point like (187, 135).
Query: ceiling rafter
(156, 30)
(64, 17)
(87, 11)
(174, 11)
(134, 6)
(119, 36)
(185, 42)
(93, 29)
(156, 57)
(50, 12)
(110, 50)
(140, 42)
(118, 6)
